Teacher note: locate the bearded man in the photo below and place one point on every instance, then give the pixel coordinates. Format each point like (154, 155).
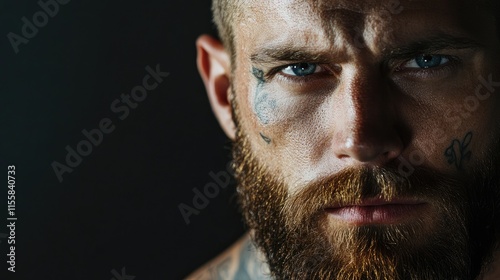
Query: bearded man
(366, 137)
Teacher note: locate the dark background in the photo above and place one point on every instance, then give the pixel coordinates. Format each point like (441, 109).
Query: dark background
(119, 207)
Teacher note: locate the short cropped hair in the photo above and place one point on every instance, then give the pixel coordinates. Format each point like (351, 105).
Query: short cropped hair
(225, 12)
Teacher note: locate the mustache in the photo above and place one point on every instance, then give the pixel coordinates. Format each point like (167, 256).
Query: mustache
(353, 185)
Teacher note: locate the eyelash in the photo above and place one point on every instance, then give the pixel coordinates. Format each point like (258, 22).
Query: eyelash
(420, 72)
(277, 73)
(453, 62)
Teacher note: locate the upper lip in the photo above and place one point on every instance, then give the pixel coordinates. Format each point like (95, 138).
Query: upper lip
(379, 202)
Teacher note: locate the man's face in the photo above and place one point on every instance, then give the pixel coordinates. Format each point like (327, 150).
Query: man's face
(367, 136)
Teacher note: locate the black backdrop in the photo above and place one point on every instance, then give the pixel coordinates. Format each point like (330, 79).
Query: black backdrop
(117, 211)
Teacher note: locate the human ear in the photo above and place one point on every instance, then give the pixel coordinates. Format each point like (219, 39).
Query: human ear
(214, 65)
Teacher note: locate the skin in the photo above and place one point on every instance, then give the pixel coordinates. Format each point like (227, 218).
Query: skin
(242, 261)
(367, 103)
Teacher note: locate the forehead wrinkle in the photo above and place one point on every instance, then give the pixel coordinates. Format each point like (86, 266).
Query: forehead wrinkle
(376, 33)
(297, 15)
(348, 5)
(342, 26)
(344, 21)
(339, 20)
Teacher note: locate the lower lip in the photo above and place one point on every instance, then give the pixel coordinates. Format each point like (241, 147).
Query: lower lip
(376, 214)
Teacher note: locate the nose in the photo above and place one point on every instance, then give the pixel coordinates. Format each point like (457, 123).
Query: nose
(365, 124)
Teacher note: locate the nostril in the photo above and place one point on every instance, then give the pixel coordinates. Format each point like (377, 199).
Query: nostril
(359, 152)
(373, 150)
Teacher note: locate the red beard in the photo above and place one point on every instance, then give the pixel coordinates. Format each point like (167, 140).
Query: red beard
(453, 241)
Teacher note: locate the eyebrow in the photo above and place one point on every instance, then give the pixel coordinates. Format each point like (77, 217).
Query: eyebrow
(268, 55)
(432, 45)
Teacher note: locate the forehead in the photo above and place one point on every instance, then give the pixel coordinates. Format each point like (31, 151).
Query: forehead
(328, 10)
(335, 23)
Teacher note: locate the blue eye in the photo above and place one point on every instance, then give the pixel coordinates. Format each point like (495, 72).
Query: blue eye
(426, 61)
(301, 69)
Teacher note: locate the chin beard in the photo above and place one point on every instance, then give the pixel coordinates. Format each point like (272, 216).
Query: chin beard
(453, 241)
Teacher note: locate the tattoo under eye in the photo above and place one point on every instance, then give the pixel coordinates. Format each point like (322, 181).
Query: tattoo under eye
(258, 74)
(458, 151)
(264, 104)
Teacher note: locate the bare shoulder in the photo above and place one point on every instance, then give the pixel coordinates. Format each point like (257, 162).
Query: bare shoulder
(241, 261)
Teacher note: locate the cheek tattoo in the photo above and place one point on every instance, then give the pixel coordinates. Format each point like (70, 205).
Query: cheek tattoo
(263, 105)
(259, 75)
(457, 152)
